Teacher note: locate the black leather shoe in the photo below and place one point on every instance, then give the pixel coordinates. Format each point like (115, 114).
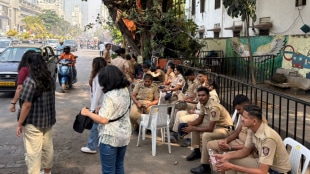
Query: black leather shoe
(193, 156)
(201, 169)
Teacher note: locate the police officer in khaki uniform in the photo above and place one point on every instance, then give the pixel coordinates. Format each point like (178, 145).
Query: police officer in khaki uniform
(190, 94)
(273, 157)
(175, 87)
(214, 122)
(235, 140)
(144, 95)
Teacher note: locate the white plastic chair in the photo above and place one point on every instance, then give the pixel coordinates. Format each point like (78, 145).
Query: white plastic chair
(296, 153)
(234, 116)
(157, 119)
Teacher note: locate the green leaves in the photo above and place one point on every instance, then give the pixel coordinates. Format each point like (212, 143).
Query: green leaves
(242, 8)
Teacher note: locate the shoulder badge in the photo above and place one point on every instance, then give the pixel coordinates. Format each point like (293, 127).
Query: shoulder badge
(213, 114)
(265, 150)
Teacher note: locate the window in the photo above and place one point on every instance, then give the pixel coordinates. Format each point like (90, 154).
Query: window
(193, 7)
(202, 6)
(236, 33)
(264, 32)
(201, 35)
(300, 2)
(217, 4)
(216, 34)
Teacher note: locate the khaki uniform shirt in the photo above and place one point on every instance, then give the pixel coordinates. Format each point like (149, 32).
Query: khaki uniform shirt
(216, 112)
(171, 76)
(271, 149)
(177, 80)
(192, 88)
(146, 93)
(131, 67)
(120, 63)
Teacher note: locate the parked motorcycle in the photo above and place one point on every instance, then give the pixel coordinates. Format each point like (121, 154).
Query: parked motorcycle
(66, 74)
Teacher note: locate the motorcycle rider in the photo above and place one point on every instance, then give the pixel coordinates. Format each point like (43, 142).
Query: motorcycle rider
(69, 56)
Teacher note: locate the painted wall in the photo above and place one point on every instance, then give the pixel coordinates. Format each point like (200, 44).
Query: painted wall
(292, 52)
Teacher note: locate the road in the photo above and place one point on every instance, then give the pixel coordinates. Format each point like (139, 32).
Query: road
(67, 143)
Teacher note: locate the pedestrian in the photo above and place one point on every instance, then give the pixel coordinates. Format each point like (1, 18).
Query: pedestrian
(37, 116)
(113, 118)
(96, 95)
(23, 71)
(272, 155)
(107, 54)
(121, 63)
(101, 49)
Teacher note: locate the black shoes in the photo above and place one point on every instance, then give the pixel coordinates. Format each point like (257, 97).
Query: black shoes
(195, 155)
(201, 169)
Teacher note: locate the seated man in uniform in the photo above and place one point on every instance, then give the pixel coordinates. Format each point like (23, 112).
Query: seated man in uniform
(158, 75)
(214, 122)
(144, 95)
(273, 157)
(235, 141)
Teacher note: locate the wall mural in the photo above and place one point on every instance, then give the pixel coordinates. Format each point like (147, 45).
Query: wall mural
(291, 52)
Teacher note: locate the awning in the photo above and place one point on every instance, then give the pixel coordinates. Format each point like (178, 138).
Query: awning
(234, 28)
(215, 29)
(265, 26)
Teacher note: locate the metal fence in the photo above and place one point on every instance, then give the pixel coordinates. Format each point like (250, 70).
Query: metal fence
(235, 67)
(285, 114)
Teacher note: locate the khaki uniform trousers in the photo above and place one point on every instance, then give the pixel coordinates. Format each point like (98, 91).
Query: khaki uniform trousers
(183, 117)
(38, 144)
(215, 146)
(218, 133)
(135, 112)
(248, 162)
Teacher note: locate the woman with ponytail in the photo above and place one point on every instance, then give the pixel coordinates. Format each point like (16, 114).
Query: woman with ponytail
(37, 116)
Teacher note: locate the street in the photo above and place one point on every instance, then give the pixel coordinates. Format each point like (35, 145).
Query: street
(68, 159)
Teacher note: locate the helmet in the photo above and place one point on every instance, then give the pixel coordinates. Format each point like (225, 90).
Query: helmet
(67, 49)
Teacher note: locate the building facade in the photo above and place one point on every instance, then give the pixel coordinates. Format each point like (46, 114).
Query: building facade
(287, 18)
(4, 15)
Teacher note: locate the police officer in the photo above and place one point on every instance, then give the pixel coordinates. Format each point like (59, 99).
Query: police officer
(190, 94)
(273, 157)
(235, 140)
(170, 93)
(144, 95)
(214, 122)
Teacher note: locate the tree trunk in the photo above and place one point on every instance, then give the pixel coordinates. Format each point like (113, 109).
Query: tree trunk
(250, 50)
(123, 28)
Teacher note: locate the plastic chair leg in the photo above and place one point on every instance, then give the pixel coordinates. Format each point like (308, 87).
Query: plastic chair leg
(168, 135)
(143, 132)
(153, 142)
(139, 135)
(162, 131)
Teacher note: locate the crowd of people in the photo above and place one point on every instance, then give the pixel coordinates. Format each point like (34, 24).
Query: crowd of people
(120, 92)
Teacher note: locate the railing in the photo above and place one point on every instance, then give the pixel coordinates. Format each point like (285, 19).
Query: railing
(236, 67)
(285, 114)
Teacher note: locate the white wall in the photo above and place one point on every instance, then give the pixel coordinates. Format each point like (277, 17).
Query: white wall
(283, 14)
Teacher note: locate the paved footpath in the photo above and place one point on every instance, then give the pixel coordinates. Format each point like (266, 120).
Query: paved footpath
(68, 158)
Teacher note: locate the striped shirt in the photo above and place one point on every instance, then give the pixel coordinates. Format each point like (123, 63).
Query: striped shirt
(42, 113)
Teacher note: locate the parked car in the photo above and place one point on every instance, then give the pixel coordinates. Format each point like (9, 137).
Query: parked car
(72, 44)
(4, 43)
(52, 43)
(9, 61)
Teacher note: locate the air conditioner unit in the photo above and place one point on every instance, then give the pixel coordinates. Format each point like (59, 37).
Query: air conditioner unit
(264, 20)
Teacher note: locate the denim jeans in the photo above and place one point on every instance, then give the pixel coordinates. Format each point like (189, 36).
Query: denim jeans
(92, 142)
(112, 159)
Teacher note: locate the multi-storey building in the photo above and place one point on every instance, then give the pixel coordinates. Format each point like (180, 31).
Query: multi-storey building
(54, 5)
(4, 15)
(284, 17)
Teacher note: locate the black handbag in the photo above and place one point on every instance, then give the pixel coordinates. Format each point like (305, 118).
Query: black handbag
(82, 122)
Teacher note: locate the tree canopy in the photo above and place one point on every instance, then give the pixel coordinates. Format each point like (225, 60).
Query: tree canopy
(160, 26)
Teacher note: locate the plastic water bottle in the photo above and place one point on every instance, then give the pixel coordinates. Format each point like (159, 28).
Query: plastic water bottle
(212, 158)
